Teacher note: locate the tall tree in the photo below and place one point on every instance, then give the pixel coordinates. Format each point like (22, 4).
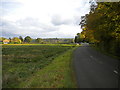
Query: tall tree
(103, 26)
(27, 39)
(75, 40)
(20, 37)
(10, 39)
(38, 40)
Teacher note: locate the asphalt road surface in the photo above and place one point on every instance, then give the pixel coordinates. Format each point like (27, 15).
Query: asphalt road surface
(95, 70)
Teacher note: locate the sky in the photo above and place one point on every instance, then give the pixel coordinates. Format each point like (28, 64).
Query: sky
(42, 18)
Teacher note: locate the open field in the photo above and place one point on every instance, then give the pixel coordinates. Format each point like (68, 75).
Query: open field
(37, 66)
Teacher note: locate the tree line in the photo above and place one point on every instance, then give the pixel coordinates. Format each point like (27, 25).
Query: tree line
(102, 27)
(28, 39)
(20, 40)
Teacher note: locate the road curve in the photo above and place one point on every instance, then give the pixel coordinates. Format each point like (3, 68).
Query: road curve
(95, 70)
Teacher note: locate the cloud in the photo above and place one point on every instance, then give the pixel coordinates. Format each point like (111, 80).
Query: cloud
(58, 20)
(42, 18)
(8, 7)
(28, 26)
(9, 28)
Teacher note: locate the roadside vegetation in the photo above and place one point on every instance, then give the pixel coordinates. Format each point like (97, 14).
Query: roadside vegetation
(104, 51)
(101, 27)
(37, 66)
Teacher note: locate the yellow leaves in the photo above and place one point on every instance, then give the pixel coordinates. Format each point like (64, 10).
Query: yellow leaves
(84, 28)
(15, 39)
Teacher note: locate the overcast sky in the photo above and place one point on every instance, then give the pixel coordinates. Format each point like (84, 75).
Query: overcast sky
(42, 18)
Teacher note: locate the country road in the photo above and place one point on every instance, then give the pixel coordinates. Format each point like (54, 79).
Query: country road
(95, 70)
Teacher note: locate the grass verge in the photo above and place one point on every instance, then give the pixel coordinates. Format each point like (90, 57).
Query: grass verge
(58, 74)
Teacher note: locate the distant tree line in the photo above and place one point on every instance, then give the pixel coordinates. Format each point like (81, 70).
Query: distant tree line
(16, 40)
(28, 39)
(102, 27)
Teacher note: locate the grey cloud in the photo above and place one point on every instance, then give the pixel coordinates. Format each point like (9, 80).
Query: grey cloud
(28, 22)
(8, 6)
(9, 34)
(77, 20)
(57, 20)
(27, 26)
(59, 35)
(8, 29)
(34, 22)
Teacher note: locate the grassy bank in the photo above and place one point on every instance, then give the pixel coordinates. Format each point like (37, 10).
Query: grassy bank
(56, 75)
(37, 66)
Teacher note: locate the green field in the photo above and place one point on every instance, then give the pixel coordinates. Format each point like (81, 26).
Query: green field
(36, 66)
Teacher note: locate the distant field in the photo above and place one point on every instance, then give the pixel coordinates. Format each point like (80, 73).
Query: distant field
(21, 62)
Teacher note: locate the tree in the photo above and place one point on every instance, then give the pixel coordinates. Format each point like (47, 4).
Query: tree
(81, 37)
(75, 40)
(10, 39)
(2, 38)
(27, 39)
(102, 26)
(20, 37)
(15, 40)
(38, 40)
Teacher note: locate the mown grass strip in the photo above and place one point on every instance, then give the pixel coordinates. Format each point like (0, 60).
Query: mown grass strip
(56, 75)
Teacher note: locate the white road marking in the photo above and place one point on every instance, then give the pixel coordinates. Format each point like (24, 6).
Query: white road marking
(100, 62)
(115, 71)
(91, 56)
(96, 60)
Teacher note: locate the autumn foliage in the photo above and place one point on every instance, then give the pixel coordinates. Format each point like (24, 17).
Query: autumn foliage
(102, 26)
